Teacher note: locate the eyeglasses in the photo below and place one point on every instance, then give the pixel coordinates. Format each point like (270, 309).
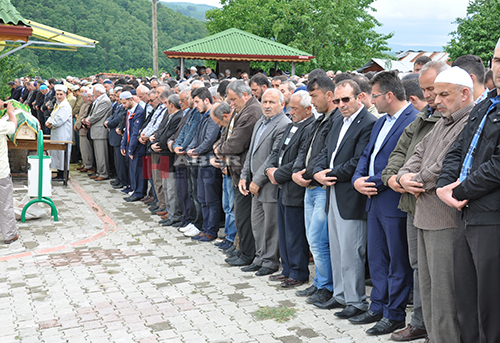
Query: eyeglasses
(379, 94)
(344, 100)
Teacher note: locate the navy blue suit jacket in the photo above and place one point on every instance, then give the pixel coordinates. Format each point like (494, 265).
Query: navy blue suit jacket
(132, 146)
(113, 122)
(386, 196)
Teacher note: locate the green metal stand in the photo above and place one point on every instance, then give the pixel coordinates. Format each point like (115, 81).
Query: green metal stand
(40, 198)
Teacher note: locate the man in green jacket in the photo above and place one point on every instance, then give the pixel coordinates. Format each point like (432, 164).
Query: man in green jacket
(411, 136)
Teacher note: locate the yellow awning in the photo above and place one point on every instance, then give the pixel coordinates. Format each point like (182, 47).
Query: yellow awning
(51, 34)
(52, 39)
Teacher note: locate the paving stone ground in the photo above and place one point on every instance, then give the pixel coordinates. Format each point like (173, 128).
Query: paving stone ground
(107, 272)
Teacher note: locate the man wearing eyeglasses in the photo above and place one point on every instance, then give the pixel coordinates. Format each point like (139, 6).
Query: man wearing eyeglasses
(346, 215)
(387, 244)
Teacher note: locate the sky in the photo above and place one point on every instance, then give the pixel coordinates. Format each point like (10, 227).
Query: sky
(422, 24)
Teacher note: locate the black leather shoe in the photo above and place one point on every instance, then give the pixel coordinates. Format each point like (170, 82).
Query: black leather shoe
(132, 198)
(265, 271)
(330, 304)
(307, 292)
(250, 268)
(321, 296)
(366, 318)
(118, 186)
(238, 262)
(349, 312)
(385, 326)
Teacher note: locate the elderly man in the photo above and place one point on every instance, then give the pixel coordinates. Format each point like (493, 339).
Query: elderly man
(293, 246)
(221, 114)
(130, 146)
(61, 124)
(387, 248)
(259, 83)
(335, 167)
(167, 176)
(115, 140)
(85, 146)
(436, 222)
(411, 136)
(101, 110)
(8, 222)
(233, 148)
(265, 138)
(469, 182)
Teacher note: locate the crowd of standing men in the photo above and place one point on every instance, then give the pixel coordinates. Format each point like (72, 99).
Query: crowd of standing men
(400, 172)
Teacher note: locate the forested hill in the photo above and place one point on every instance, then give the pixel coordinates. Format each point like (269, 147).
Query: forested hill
(122, 27)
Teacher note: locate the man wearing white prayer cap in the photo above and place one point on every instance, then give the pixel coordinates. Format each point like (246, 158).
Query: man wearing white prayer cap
(60, 122)
(469, 181)
(436, 222)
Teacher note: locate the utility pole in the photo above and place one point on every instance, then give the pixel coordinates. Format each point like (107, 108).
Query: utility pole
(155, 40)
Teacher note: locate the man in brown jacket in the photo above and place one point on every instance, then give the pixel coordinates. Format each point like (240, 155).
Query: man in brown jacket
(411, 136)
(234, 150)
(436, 222)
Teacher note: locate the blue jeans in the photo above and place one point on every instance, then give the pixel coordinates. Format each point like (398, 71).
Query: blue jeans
(316, 221)
(228, 206)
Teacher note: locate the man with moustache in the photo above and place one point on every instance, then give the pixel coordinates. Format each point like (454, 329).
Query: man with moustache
(294, 250)
(411, 136)
(265, 137)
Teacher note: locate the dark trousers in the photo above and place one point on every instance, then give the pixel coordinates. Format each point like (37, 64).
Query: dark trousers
(210, 198)
(476, 261)
(389, 265)
(196, 213)
(182, 185)
(242, 219)
(135, 175)
(120, 166)
(294, 249)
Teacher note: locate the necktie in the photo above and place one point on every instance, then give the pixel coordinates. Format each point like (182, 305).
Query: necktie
(466, 166)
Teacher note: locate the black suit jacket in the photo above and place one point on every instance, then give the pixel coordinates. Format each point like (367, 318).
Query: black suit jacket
(293, 194)
(351, 203)
(167, 129)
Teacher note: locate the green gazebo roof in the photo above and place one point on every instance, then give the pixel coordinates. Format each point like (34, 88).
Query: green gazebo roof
(9, 14)
(237, 45)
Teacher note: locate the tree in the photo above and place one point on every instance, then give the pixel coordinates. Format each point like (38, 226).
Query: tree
(340, 33)
(122, 27)
(9, 67)
(478, 32)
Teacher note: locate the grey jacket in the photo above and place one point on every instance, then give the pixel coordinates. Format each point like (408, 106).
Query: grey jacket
(100, 112)
(258, 160)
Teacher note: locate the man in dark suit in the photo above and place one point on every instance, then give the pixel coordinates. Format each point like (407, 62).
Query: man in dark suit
(294, 249)
(265, 137)
(115, 140)
(167, 128)
(181, 165)
(387, 243)
(131, 148)
(334, 168)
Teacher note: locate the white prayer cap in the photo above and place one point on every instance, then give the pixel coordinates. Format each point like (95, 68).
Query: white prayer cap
(455, 75)
(125, 95)
(193, 68)
(498, 44)
(61, 88)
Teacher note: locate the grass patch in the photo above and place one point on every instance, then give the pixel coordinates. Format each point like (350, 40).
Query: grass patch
(279, 314)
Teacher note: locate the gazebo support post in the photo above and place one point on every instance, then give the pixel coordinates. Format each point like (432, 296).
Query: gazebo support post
(293, 69)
